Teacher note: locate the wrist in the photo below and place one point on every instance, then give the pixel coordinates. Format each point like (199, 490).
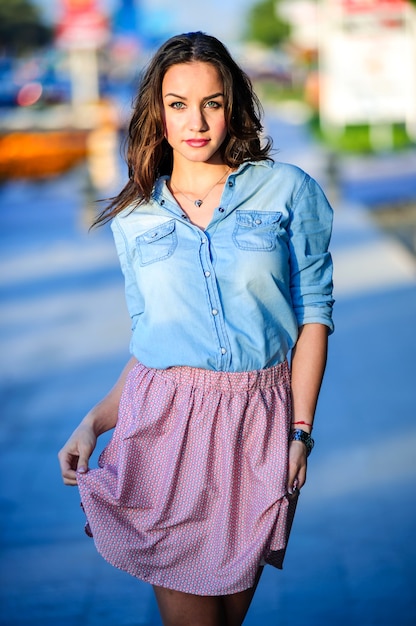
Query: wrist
(99, 421)
(297, 434)
(306, 425)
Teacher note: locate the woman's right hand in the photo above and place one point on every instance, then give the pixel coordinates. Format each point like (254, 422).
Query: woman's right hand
(75, 454)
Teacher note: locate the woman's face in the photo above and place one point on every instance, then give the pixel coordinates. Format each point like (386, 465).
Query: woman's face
(193, 108)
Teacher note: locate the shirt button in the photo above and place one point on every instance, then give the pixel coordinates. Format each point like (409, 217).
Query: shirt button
(230, 183)
(221, 210)
(257, 222)
(207, 274)
(214, 311)
(184, 216)
(223, 351)
(162, 202)
(203, 241)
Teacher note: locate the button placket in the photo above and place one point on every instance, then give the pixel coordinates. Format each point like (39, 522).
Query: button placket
(213, 301)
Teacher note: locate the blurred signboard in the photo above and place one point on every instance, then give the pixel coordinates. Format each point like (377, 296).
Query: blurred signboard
(353, 6)
(367, 62)
(81, 25)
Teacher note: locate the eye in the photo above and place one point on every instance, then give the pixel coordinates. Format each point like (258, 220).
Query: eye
(177, 105)
(212, 104)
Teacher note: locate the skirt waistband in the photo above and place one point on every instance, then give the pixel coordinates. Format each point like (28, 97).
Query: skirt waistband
(223, 381)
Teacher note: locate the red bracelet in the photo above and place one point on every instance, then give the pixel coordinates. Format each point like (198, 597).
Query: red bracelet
(304, 423)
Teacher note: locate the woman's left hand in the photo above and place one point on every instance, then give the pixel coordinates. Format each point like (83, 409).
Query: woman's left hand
(297, 466)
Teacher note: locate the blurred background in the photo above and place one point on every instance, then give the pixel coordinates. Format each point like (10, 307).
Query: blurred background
(337, 79)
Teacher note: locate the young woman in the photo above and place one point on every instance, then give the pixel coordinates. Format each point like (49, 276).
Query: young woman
(227, 270)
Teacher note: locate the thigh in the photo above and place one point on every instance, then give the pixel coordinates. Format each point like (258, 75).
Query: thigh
(236, 605)
(185, 609)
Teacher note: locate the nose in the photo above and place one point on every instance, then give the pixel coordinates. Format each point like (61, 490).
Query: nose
(197, 121)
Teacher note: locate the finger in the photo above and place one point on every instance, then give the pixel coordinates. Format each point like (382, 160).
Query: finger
(70, 479)
(69, 475)
(292, 483)
(301, 476)
(68, 464)
(296, 477)
(292, 479)
(82, 465)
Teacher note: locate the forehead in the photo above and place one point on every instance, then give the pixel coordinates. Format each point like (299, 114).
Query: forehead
(195, 75)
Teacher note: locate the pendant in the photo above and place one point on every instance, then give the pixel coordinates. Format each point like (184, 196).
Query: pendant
(198, 203)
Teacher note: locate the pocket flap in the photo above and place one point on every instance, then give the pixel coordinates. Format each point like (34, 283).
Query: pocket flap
(157, 233)
(257, 219)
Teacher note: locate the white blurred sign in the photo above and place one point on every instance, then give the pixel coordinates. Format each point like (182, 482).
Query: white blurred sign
(82, 30)
(367, 62)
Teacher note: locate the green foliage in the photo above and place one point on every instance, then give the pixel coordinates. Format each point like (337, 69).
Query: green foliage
(21, 27)
(274, 91)
(357, 138)
(264, 25)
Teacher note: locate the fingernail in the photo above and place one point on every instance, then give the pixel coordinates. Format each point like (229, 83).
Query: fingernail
(82, 470)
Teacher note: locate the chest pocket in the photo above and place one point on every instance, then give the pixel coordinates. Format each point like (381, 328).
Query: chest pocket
(256, 230)
(157, 244)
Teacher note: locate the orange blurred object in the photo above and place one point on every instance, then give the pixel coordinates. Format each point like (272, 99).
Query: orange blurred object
(41, 154)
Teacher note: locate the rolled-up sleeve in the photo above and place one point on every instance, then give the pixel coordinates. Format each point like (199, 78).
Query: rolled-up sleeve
(310, 261)
(133, 296)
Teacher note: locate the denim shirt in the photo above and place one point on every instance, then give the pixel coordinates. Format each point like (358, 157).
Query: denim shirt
(233, 296)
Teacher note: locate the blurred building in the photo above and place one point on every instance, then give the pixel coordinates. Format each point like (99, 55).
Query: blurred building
(362, 61)
(368, 63)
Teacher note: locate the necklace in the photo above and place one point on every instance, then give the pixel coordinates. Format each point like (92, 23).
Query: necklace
(198, 203)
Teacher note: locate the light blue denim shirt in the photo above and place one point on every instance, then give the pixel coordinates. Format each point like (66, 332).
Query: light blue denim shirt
(230, 297)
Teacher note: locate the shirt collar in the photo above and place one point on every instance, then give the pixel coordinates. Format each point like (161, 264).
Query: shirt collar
(161, 191)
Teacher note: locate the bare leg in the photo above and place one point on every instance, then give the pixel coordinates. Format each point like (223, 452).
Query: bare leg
(185, 609)
(236, 605)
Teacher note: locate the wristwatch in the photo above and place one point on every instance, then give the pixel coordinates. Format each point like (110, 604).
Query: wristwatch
(301, 435)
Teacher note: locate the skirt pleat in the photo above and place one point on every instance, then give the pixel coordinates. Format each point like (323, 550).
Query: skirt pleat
(190, 493)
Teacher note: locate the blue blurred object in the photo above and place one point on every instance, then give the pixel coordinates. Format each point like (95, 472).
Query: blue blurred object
(126, 19)
(149, 26)
(17, 74)
(8, 90)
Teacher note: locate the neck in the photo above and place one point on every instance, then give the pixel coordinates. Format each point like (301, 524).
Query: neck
(197, 179)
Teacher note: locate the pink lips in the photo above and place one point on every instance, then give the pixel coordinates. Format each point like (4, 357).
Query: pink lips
(197, 143)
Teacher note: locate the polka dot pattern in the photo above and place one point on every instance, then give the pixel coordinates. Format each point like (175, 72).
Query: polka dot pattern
(190, 493)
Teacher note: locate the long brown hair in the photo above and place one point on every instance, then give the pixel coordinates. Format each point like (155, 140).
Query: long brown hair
(149, 155)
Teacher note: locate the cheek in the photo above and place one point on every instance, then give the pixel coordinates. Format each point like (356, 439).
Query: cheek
(222, 130)
(171, 126)
(220, 125)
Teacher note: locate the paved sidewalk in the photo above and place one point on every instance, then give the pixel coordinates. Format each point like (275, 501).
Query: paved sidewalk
(64, 336)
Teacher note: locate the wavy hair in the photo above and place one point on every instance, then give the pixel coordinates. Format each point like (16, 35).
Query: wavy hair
(149, 155)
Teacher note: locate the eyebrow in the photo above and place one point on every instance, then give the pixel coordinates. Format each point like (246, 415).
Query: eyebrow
(175, 95)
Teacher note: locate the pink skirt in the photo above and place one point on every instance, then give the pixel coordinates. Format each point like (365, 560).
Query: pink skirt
(190, 493)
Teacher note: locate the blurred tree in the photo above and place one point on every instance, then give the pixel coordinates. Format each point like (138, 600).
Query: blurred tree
(264, 25)
(21, 27)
